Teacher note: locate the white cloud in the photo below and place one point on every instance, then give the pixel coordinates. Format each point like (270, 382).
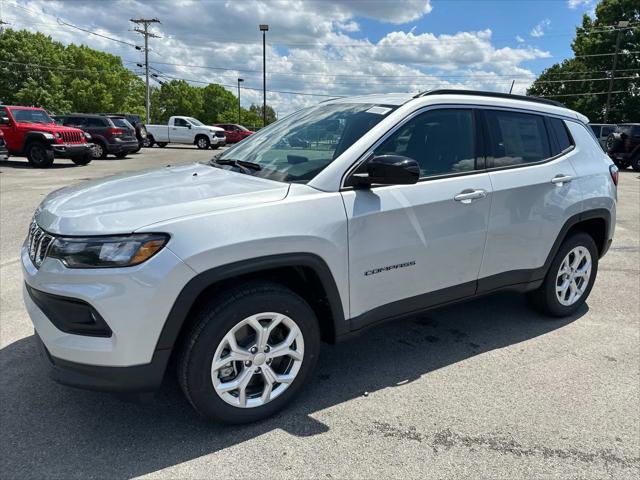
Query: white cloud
(573, 4)
(540, 28)
(309, 47)
(519, 39)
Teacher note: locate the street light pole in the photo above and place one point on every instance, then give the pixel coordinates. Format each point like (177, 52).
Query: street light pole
(239, 110)
(621, 25)
(264, 28)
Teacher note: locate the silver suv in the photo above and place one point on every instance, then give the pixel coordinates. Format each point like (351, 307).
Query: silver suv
(333, 219)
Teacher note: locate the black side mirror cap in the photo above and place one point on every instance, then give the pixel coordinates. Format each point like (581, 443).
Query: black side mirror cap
(4, 121)
(387, 170)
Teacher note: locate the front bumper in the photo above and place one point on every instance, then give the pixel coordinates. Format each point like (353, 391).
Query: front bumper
(134, 302)
(220, 141)
(134, 379)
(68, 150)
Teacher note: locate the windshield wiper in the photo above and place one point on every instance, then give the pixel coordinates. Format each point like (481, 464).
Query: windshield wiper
(241, 164)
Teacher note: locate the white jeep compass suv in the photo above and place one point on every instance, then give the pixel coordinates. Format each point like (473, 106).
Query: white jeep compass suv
(335, 218)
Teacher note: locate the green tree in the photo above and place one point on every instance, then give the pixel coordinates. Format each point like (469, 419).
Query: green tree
(257, 110)
(35, 70)
(595, 37)
(176, 97)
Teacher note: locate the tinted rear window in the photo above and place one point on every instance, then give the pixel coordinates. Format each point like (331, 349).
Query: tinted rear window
(629, 129)
(121, 122)
(562, 135)
(517, 138)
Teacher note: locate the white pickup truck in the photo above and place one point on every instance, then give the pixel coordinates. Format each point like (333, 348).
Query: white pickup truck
(187, 130)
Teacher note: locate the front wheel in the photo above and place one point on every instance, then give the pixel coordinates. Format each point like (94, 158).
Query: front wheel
(39, 155)
(570, 277)
(249, 353)
(202, 143)
(84, 159)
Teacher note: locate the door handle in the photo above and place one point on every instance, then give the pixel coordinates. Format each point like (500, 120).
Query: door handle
(468, 195)
(561, 179)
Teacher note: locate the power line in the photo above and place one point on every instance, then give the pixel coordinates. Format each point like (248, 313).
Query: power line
(62, 22)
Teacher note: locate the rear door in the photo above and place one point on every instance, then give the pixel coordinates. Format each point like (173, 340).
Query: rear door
(411, 246)
(533, 194)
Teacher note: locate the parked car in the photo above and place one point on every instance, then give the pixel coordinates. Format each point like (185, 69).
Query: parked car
(31, 132)
(4, 151)
(234, 132)
(136, 121)
(185, 130)
(602, 132)
(238, 268)
(623, 146)
(111, 135)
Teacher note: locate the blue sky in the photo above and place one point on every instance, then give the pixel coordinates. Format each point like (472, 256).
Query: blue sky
(321, 48)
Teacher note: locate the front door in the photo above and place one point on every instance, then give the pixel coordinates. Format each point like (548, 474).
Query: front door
(180, 131)
(412, 246)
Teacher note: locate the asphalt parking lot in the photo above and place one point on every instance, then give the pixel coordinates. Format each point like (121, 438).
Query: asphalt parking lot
(487, 389)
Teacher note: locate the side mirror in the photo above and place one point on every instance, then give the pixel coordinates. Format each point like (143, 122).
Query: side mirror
(189, 126)
(4, 121)
(387, 170)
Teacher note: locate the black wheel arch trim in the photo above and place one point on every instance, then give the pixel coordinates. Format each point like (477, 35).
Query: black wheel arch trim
(198, 284)
(36, 136)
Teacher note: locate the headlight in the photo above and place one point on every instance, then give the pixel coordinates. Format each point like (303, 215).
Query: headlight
(101, 252)
(48, 136)
(87, 135)
(58, 135)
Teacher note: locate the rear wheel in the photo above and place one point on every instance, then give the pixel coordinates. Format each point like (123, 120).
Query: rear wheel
(570, 277)
(249, 353)
(621, 164)
(162, 144)
(39, 155)
(635, 163)
(202, 142)
(148, 142)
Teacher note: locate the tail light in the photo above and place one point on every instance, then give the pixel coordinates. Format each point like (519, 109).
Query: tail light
(116, 131)
(613, 171)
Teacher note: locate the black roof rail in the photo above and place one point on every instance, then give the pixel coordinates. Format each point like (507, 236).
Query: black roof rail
(480, 93)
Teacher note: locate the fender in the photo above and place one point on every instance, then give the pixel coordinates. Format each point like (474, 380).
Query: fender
(191, 291)
(36, 136)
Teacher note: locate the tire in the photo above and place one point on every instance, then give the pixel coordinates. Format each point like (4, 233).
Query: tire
(120, 156)
(39, 155)
(202, 142)
(205, 342)
(149, 142)
(83, 159)
(635, 163)
(614, 142)
(215, 147)
(545, 298)
(100, 150)
(162, 144)
(621, 164)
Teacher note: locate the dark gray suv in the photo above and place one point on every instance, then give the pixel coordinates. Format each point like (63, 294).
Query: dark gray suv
(110, 134)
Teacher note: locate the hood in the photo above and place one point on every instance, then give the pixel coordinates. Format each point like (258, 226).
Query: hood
(47, 127)
(127, 202)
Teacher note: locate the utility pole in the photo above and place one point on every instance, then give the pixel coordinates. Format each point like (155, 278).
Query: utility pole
(239, 118)
(621, 25)
(145, 31)
(264, 29)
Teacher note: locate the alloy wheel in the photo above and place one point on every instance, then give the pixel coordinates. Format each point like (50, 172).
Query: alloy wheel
(257, 360)
(573, 276)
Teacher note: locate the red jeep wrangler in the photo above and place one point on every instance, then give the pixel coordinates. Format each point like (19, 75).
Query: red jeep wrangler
(32, 132)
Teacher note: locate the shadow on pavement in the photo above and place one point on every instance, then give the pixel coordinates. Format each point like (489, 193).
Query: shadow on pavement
(24, 163)
(57, 432)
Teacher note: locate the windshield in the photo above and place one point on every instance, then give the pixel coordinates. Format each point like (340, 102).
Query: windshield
(32, 116)
(195, 121)
(298, 147)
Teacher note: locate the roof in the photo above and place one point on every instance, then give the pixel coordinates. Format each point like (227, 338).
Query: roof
(22, 107)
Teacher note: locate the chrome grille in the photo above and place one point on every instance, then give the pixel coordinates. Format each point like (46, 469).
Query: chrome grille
(39, 242)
